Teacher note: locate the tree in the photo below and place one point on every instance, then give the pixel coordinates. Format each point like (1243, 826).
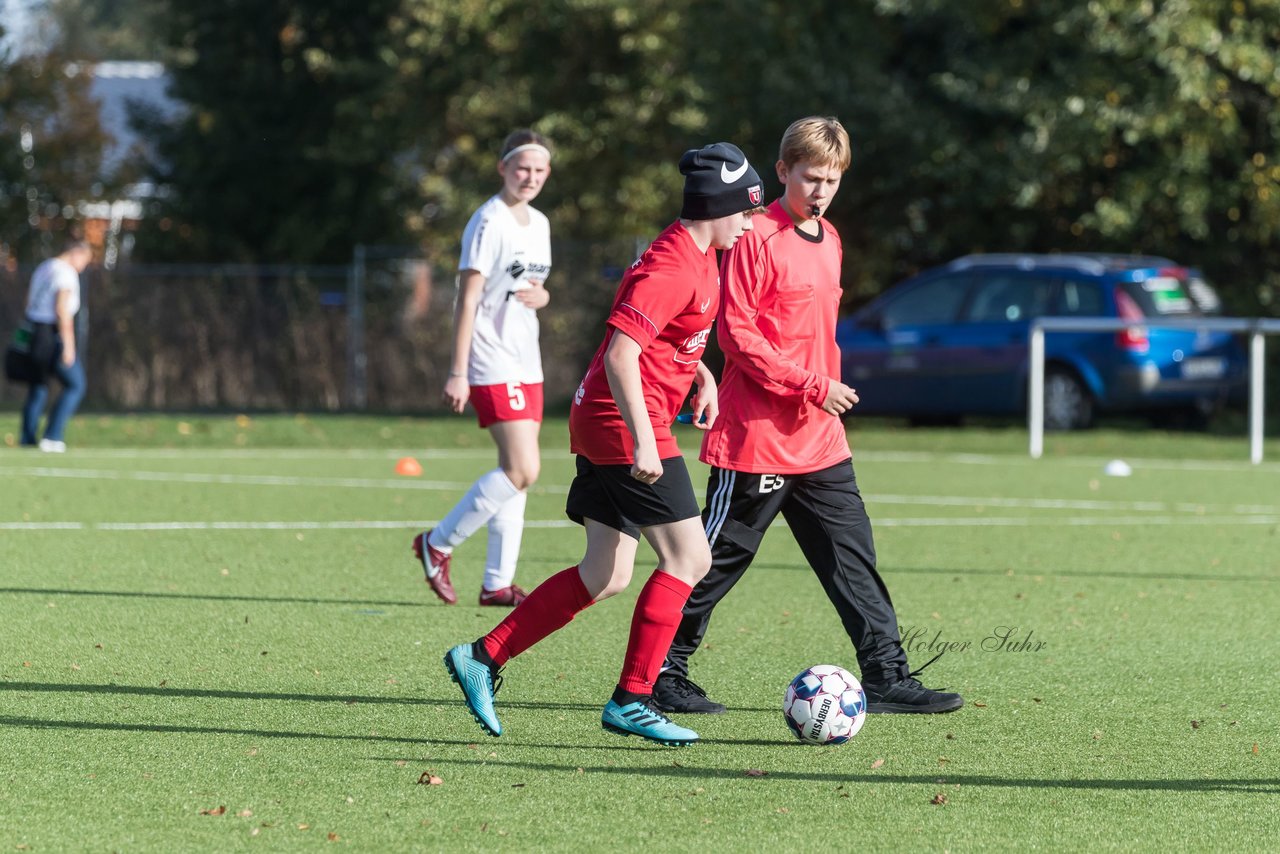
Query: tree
(283, 152)
(50, 149)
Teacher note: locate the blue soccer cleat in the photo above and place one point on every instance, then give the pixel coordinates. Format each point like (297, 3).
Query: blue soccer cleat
(477, 683)
(642, 719)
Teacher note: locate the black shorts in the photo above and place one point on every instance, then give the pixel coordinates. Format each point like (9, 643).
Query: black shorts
(611, 496)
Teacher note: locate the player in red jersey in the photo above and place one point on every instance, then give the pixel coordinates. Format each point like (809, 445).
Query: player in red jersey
(631, 478)
(779, 445)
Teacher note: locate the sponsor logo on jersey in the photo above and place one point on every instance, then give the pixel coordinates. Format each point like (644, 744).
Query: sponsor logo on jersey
(695, 342)
(702, 309)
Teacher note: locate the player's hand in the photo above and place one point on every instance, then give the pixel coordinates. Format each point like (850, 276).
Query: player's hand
(534, 297)
(68, 356)
(648, 465)
(456, 393)
(706, 405)
(840, 399)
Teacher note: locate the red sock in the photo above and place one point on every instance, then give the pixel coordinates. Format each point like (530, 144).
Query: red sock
(653, 625)
(550, 606)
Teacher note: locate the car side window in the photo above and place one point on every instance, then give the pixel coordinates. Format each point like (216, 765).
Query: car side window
(935, 301)
(1080, 299)
(1010, 298)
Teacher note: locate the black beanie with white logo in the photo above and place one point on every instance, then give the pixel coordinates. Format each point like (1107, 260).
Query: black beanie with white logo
(718, 181)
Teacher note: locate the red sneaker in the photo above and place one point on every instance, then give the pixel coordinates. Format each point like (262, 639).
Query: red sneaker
(506, 597)
(422, 549)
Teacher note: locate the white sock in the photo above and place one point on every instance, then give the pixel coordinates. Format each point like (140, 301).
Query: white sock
(490, 491)
(506, 528)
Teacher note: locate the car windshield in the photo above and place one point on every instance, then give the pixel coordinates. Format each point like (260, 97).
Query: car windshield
(1171, 293)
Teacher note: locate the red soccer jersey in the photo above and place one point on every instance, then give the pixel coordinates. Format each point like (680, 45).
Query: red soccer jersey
(667, 302)
(777, 327)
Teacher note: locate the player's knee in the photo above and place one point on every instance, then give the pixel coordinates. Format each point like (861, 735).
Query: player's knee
(689, 568)
(606, 581)
(523, 476)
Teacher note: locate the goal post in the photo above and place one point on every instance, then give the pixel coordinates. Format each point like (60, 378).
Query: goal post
(1255, 328)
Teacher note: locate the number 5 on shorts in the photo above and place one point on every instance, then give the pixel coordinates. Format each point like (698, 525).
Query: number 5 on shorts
(515, 395)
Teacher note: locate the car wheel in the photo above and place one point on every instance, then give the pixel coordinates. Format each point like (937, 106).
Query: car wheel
(1067, 403)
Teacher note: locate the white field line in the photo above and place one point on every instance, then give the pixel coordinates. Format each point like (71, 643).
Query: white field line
(340, 525)
(295, 453)
(426, 454)
(1068, 504)
(255, 479)
(451, 486)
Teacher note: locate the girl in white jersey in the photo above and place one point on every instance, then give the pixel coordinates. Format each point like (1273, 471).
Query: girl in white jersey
(497, 366)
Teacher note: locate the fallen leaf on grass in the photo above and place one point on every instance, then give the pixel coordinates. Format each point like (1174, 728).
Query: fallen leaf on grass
(214, 811)
(878, 763)
(429, 779)
(939, 799)
(756, 772)
(1255, 748)
(517, 785)
(333, 837)
(980, 705)
(400, 763)
(782, 810)
(1195, 725)
(244, 813)
(304, 827)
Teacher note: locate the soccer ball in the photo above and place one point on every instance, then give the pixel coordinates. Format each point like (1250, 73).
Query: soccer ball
(825, 705)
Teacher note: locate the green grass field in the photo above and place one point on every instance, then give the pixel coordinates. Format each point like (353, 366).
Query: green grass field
(216, 638)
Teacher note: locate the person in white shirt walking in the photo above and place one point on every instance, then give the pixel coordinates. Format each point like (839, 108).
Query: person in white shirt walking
(497, 367)
(52, 303)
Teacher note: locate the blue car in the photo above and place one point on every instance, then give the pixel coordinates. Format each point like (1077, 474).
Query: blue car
(952, 341)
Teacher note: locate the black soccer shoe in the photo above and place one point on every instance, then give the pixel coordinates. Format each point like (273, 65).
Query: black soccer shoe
(672, 693)
(909, 697)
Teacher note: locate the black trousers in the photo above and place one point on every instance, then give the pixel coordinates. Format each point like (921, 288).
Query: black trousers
(825, 513)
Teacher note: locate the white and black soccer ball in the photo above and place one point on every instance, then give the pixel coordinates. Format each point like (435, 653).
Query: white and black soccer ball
(825, 705)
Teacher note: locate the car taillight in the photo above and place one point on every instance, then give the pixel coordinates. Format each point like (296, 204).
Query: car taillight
(1134, 339)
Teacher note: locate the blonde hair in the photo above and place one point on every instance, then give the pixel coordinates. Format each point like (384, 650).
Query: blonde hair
(818, 140)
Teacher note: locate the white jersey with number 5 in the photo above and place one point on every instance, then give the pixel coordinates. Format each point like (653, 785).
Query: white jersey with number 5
(511, 257)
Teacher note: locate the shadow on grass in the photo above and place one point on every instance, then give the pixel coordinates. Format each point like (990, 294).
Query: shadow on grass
(133, 594)
(222, 694)
(1024, 574)
(1262, 786)
(106, 726)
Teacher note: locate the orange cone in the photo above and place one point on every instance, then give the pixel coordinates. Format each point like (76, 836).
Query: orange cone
(408, 466)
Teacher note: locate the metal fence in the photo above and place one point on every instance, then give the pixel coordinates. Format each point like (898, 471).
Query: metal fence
(374, 334)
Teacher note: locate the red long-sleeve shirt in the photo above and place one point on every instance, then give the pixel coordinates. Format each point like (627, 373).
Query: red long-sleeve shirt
(780, 293)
